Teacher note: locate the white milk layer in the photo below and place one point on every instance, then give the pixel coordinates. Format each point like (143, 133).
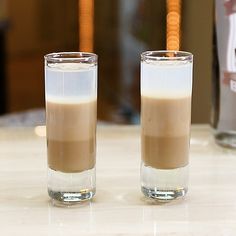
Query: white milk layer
(166, 79)
(71, 82)
(71, 99)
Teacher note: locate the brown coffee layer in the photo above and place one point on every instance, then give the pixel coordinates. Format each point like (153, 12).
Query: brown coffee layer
(165, 131)
(166, 116)
(71, 121)
(71, 135)
(165, 152)
(71, 156)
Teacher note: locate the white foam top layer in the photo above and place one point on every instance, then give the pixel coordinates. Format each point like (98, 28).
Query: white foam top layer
(166, 95)
(70, 100)
(71, 81)
(167, 63)
(166, 79)
(70, 67)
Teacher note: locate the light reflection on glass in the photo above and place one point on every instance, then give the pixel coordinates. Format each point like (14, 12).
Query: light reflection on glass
(40, 131)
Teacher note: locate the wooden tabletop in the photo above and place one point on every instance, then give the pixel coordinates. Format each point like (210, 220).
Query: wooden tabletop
(118, 207)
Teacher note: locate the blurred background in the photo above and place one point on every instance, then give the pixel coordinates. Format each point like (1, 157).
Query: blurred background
(118, 31)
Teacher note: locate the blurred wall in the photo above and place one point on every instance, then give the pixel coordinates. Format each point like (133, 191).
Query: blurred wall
(123, 29)
(37, 27)
(41, 26)
(197, 26)
(140, 26)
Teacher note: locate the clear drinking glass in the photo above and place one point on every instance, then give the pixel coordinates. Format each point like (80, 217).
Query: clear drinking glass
(71, 116)
(166, 88)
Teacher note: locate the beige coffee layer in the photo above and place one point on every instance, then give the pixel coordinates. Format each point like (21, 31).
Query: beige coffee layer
(165, 131)
(71, 121)
(165, 152)
(166, 116)
(71, 156)
(71, 135)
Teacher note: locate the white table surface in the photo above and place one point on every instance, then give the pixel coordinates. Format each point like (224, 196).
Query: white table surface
(118, 207)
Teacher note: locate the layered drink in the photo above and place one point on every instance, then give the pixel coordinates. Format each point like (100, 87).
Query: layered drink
(71, 115)
(166, 87)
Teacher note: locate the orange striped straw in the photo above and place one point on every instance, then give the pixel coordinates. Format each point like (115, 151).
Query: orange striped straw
(86, 25)
(173, 20)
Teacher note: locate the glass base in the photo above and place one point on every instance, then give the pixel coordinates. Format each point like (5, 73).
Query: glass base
(69, 198)
(71, 188)
(164, 184)
(226, 139)
(164, 195)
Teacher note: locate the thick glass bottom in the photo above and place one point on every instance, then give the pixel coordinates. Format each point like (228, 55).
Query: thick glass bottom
(226, 139)
(164, 195)
(71, 188)
(69, 198)
(164, 184)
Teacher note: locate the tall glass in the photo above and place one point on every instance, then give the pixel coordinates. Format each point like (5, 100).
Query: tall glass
(71, 115)
(166, 88)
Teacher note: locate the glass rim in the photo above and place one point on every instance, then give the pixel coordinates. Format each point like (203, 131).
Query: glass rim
(71, 56)
(162, 55)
